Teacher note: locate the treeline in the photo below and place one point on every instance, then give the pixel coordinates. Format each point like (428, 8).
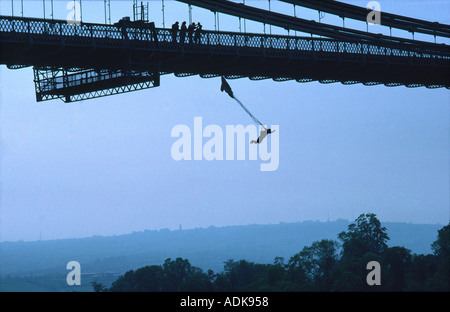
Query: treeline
(325, 265)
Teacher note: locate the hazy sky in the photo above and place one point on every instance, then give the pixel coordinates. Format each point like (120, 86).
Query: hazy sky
(104, 166)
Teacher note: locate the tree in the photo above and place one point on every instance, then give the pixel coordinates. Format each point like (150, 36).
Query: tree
(347, 281)
(318, 262)
(125, 283)
(238, 275)
(99, 287)
(422, 268)
(149, 278)
(176, 272)
(276, 272)
(198, 281)
(364, 241)
(397, 260)
(174, 275)
(297, 273)
(441, 248)
(366, 235)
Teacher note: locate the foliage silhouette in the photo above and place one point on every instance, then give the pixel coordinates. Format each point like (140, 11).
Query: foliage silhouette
(325, 265)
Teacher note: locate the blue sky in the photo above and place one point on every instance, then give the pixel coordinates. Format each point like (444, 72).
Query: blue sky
(104, 166)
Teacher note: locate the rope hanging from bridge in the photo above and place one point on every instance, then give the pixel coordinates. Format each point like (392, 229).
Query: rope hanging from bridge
(226, 87)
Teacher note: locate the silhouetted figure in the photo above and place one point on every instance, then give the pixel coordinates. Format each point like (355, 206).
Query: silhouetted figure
(183, 32)
(190, 30)
(175, 28)
(198, 33)
(262, 135)
(122, 25)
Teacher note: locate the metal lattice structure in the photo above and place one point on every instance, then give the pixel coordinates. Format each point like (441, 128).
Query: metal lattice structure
(76, 85)
(345, 10)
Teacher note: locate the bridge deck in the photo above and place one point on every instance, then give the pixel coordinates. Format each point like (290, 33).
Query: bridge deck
(138, 46)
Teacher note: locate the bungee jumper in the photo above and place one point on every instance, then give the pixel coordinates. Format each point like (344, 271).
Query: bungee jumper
(226, 87)
(262, 135)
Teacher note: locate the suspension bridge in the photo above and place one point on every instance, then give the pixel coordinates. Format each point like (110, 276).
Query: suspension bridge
(79, 61)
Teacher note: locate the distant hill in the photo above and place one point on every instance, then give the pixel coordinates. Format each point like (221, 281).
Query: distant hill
(206, 248)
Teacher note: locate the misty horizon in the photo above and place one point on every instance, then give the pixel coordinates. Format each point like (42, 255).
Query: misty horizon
(181, 228)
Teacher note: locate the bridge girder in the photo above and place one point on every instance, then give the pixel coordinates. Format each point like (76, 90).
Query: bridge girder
(144, 50)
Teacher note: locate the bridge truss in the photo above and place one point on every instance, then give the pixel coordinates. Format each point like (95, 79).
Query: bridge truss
(81, 61)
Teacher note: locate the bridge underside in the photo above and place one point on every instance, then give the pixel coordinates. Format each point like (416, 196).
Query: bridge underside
(75, 67)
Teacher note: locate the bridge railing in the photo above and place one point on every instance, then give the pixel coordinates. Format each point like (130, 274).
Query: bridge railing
(144, 36)
(273, 45)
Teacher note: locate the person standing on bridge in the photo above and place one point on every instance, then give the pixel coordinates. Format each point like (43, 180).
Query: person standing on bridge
(190, 30)
(183, 32)
(174, 32)
(198, 33)
(122, 25)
